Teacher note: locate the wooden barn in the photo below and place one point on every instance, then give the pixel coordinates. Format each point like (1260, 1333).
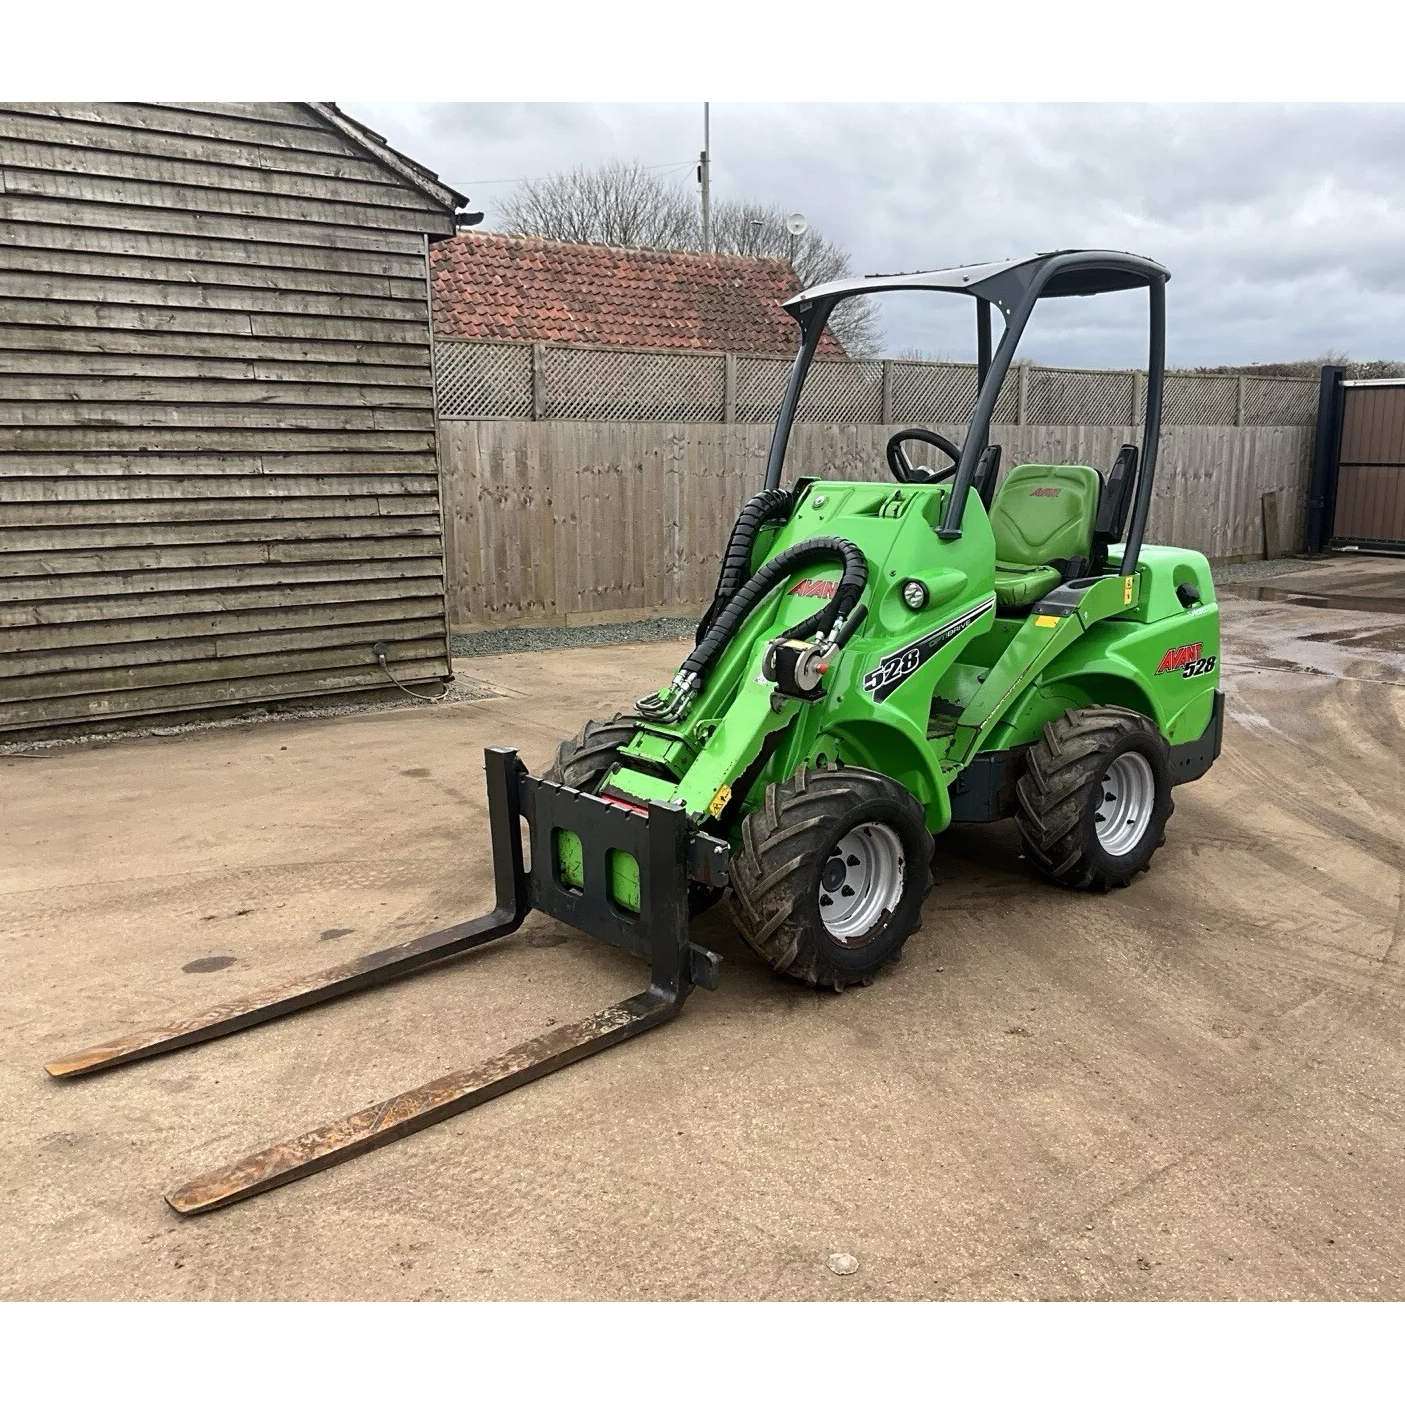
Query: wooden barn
(218, 472)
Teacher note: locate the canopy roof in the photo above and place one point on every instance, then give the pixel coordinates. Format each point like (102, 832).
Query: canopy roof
(1077, 273)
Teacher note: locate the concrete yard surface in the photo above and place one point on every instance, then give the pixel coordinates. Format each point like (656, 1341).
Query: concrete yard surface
(1191, 1089)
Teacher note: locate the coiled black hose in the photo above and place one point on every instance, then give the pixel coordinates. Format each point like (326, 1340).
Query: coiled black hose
(769, 505)
(770, 575)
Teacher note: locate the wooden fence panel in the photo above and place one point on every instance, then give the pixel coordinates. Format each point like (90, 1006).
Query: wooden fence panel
(573, 522)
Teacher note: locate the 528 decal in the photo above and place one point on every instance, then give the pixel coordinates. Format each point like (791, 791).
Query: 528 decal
(1189, 660)
(893, 668)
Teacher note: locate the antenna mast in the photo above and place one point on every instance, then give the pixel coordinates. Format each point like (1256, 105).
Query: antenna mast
(705, 180)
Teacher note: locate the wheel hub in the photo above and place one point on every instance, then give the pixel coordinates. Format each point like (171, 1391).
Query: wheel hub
(1128, 798)
(860, 882)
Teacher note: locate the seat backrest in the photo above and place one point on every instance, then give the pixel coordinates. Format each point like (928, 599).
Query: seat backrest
(987, 471)
(1044, 512)
(1116, 500)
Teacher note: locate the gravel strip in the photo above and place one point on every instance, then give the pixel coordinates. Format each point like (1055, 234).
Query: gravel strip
(1254, 570)
(458, 691)
(581, 636)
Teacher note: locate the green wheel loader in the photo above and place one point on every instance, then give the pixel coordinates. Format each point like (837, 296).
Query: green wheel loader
(881, 660)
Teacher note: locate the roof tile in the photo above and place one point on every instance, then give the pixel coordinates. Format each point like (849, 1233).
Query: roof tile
(514, 288)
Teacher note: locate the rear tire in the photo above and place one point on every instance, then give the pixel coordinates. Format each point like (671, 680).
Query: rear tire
(829, 879)
(1095, 797)
(583, 761)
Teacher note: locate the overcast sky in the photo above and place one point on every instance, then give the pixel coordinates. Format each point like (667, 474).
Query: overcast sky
(1283, 226)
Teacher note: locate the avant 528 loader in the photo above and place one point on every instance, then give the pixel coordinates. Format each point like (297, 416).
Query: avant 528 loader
(880, 660)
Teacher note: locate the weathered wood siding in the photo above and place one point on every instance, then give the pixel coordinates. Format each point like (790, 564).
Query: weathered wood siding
(218, 480)
(572, 522)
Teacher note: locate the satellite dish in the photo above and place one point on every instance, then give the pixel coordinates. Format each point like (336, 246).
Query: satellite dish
(797, 224)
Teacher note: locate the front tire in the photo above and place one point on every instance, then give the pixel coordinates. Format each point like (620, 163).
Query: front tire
(829, 879)
(583, 761)
(1095, 797)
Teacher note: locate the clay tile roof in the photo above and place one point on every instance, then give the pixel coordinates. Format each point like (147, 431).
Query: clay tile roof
(510, 288)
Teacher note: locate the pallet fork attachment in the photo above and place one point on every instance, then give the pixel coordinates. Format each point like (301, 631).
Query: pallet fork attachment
(667, 851)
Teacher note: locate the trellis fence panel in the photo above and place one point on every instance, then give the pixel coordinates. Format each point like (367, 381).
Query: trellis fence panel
(517, 380)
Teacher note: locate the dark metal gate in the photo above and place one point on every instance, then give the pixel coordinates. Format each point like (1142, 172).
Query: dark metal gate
(1370, 499)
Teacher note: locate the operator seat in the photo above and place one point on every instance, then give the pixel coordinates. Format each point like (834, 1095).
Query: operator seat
(1042, 517)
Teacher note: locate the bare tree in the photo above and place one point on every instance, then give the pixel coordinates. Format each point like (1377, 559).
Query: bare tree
(617, 203)
(740, 227)
(623, 204)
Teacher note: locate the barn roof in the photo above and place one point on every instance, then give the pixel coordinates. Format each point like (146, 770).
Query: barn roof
(518, 288)
(371, 141)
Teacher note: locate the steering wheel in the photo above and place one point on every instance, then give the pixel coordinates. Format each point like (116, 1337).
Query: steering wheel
(903, 469)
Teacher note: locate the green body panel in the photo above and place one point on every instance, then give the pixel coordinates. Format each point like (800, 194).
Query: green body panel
(1117, 656)
(895, 527)
(1125, 660)
(918, 694)
(1040, 639)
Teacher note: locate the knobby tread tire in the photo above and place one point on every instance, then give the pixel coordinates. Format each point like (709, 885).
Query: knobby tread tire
(1060, 790)
(775, 872)
(582, 761)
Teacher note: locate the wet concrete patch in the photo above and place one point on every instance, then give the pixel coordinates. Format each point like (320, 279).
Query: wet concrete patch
(1375, 604)
(1388, 635)
(201, 964)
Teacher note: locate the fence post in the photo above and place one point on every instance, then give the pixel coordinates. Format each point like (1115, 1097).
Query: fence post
(1138, 396)
(729, 387)
(885, 399)
(1239, 401)
(1326, 450)
(1022, 411)
(538, 381)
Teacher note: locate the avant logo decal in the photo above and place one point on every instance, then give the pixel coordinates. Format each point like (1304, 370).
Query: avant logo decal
(823, 590)
(894, 668)
(1045, 492)
(1189, 660)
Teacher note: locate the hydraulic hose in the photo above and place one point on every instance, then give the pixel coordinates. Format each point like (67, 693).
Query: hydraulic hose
(771, 574)
(769, 505)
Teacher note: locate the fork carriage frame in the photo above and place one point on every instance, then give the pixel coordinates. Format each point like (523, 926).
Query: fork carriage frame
(668, 851)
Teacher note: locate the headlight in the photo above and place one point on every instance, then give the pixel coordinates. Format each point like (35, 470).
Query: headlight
(914, 595)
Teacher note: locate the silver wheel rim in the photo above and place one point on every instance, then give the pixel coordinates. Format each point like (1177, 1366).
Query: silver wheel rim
(1128, 798)
(861, 880)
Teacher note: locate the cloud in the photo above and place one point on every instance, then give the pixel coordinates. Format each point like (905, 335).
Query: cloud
(1283, 224)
